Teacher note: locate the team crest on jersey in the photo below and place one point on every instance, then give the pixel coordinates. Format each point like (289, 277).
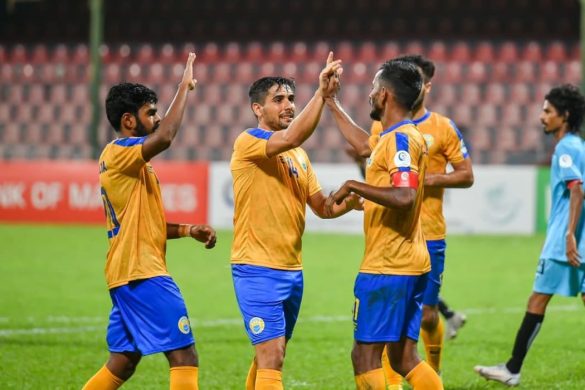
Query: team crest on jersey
(429, 139)
(256, 325)
(565, 161)
(184, 325)
(402, 159)
(463, 148)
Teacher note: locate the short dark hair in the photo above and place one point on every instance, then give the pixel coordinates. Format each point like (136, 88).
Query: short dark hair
(404, 79)
(127, 97)
(568, 99)
(259, 88)
(427, 66)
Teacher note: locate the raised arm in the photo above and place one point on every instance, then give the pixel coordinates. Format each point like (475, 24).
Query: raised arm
(460, 177)
(161, 139)
(354, 134)
(305, 123)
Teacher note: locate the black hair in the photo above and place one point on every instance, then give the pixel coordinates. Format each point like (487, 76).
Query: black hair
(568, 99)
(259, 89)
(427, 66)
(127, 97)
(404, 79)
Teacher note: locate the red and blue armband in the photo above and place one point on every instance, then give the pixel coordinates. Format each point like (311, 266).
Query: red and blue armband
(572, 183)
(405, 179)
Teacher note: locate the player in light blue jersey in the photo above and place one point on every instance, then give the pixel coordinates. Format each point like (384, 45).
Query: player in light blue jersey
(560, 269)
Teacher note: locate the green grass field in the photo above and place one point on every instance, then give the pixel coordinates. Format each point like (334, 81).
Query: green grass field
(54, 308)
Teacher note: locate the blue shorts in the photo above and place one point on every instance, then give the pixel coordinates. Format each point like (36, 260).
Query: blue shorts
(558, 277)
(436, 249)
(149, 316)
(388, 308)
(269, 300)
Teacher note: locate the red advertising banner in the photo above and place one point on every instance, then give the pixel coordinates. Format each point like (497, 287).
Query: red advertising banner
(63, 192)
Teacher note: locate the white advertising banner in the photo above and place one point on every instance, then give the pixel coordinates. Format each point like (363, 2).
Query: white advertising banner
(502, 200)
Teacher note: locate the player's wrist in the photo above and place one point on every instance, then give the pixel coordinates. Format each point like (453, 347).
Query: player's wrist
(185, 230)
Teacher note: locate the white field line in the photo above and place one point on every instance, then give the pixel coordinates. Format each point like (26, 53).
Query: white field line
(102, 321)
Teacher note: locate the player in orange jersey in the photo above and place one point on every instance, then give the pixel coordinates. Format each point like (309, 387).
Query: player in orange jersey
(148, 314)
(446, 146)
(273, 183)
(393, 275)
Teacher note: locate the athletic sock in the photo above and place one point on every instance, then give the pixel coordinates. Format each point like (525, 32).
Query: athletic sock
(251, 378)
(103, 380)
(526, 334)
(423, 377)
(267, 379)
(392, 377)
(433, 342)
(444, 310)
(371, 380)
(184, 378)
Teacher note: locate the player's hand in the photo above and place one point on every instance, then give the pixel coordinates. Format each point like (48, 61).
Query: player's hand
(342, 193)
(354, 202)
(573, 255)
(205, 234)
(188, 73)
(329, 80)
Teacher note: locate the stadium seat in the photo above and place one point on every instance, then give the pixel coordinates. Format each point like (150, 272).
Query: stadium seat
(460, 53)
(486, 115)
(437, 51)
(484, 52)
(508, 52)
(494, 93)
(231, 52)
(572, 72)
(525, 71)
(511, 114)
(532, 52)
(299, 52)
(476, 72)
(556, 52)
(12, 134)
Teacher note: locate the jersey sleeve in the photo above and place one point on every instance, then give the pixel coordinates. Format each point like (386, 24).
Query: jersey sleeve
(403, 155)
(127, 155)
(569, 162)
(314, 185)
(251, 145)
(455, 149)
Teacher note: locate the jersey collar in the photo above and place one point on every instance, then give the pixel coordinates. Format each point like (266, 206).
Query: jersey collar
(397, 125)
(423, 118)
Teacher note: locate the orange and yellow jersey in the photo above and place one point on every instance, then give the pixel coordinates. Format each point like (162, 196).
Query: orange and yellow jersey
(445, 145)
(394, 239)
(135, 218)
(270, 198)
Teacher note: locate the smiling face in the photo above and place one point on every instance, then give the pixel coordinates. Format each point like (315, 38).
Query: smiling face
(278, 110)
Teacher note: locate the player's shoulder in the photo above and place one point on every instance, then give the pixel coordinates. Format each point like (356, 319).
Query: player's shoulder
(253, 134)
(571, 142)
(442, 121)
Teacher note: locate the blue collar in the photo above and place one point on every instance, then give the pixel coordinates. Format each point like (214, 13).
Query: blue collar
(397, 125)
(422, 118)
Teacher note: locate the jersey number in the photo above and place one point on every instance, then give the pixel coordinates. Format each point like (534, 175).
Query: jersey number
(110, 215)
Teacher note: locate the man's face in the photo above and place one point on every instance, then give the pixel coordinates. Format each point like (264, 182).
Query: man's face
(147, 120)
(375, 97)
(278, 110)
(550, 118)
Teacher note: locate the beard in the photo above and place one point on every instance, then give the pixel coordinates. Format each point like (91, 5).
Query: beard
(142, 131)
(376, 113)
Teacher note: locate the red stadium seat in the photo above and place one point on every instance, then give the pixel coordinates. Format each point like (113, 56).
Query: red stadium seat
(210, 53)
(319, 52)
(18, 55)
(500, 72)
(556, 51)
(222, 73)
(344, 51)
(486, 115)
(520, 93)
(532, 52)
(525, 71)
(511, 114)
(414, 48)
(484, 52)
(572, 72)
(40, 54)
(254, 52)
(12, 134)
(276, 52)
(494, 93)
(368, 53)
(476, 72)
(231, 52)
(167, 54)
(549, 72)
(299, 52)
(470, 94)
(438, 51)
(145, 54)
(444, 94)
(508, 52)
(244, 73)
(389, 50)
(460, 52)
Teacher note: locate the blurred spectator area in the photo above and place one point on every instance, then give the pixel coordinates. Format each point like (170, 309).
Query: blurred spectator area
(493, 89)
